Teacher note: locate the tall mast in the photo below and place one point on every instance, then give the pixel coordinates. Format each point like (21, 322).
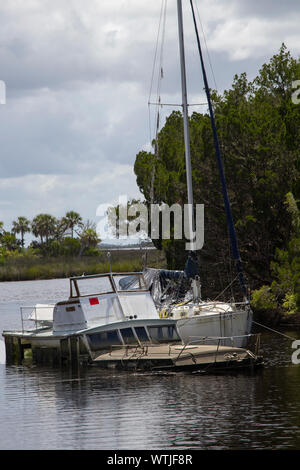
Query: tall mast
(186, 124)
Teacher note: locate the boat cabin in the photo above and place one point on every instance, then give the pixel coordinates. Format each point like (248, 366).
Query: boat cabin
(103, 299)
(113, 309)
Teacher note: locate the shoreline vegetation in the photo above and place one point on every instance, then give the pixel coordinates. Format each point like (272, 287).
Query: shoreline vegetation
(65, 247)
(29, 268)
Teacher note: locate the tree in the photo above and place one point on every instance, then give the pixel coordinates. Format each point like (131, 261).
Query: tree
(284, 291)
(72, 219)
(59, 230)
(10, 242)
(22, 226)
(88, 237)
(43, 226)
(259, 132)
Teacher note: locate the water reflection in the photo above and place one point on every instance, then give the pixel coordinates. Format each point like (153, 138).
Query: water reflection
(2, 352)
(45, 408)
(95, 409)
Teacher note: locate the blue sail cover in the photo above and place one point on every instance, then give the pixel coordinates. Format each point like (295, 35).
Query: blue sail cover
(191, 269)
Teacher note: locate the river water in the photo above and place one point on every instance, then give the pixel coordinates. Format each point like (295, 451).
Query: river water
(46, 408)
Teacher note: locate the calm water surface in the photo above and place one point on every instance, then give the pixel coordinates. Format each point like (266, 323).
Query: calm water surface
(45, 408)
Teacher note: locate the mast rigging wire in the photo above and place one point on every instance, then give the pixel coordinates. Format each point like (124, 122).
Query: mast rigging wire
(162, 25)
(207, 51)
(230, 223)
(159, 61)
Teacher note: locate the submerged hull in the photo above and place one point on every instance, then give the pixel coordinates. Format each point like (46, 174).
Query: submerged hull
(179, 358)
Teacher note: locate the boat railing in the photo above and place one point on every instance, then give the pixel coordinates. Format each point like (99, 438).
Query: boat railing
(29, 314)
(251, 341)
(231, 303)
(141, 349)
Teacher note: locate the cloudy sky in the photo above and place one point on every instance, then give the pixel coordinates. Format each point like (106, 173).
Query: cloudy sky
(78, 76)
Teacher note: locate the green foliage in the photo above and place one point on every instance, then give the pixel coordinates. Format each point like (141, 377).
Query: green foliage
(263, 299)
(9, 242)
(43, 226)
(290, 303)
(88, 238)
(286, 266)
(70, 247)
(259, 132)
(23, 267)
(53, 237)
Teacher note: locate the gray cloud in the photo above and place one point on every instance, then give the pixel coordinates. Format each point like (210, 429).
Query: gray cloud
(268, 8)
(78, 77)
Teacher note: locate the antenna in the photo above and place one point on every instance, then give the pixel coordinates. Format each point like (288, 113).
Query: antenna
(108, 257)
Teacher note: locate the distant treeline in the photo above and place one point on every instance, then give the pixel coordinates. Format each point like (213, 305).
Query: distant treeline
(66, 236)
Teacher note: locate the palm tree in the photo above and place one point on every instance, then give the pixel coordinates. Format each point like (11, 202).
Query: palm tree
(22, 226)
(72, 219)
(60, 229)
(43, 225)
(88, 236)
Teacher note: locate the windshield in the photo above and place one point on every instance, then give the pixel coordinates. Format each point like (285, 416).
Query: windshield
(103, 284)
(91, 286)
(130, 282)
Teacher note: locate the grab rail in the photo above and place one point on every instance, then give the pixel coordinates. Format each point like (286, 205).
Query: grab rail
(255, 336)
(35, 318)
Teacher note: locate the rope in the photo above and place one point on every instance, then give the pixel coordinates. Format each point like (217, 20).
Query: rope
(274, 331)
(207, 51)
(161, 26)
(226, 288)
(229, 216)
(154, 63)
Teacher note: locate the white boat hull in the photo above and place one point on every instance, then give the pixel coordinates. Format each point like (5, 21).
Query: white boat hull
(209, 328)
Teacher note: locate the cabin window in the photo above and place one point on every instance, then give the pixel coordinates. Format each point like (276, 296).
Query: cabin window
(133, 282)
(141, 333)
(128, 336)
(161, 334)
(104, 340)
(92, 286)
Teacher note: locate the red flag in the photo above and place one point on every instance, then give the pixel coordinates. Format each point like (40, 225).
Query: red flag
(94, 301)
